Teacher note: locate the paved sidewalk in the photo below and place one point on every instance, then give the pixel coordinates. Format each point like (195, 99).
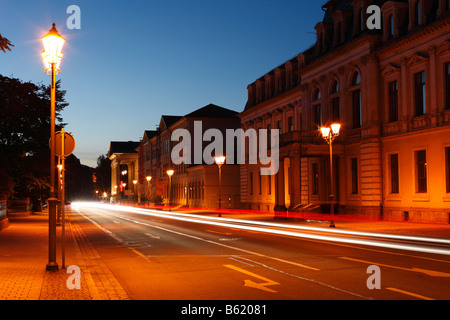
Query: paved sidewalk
(24, 255)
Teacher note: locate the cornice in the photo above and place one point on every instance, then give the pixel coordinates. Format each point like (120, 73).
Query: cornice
(417, 35)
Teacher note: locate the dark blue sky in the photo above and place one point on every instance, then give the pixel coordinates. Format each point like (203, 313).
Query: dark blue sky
(133, 61)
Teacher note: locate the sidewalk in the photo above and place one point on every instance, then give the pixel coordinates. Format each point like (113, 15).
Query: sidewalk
(24, 256)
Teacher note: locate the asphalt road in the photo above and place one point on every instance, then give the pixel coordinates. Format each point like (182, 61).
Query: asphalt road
(159, 255)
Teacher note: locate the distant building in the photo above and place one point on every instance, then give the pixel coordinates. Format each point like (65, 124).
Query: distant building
(389, 89)
(124, 169)
(194, 184)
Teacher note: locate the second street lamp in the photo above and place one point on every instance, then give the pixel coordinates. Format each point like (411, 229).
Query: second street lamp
(52, 57)
(170, 174)
(329, 134)
(220, 160)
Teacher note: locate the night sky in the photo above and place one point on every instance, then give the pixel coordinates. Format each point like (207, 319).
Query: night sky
(133, 61)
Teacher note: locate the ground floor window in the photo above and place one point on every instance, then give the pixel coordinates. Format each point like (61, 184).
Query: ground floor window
(393, 165)
(447, 170)
(421, 171)
(354, 172)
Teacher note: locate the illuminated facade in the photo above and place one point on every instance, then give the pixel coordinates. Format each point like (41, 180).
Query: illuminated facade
(389, 89)
(193, 184)
(124, 169)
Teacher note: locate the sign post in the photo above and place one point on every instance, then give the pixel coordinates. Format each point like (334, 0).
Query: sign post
(64, 146)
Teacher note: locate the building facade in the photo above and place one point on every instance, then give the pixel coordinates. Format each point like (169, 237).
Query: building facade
(124, 170)
(389, 90)
(195, 182)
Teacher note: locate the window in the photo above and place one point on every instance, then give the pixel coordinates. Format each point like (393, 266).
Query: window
(269, 184)
(421, 171)
(335, 105)
(356, 102)
(393, 101)
(420, 93)
(251, 183)
(447, 85)
(165, 146)
(391, 27)
(447, 170)
(393, 165)
(260, 183)
(317, 109)
(417, 13)
(279, 125)
(354, 172)
(290, 124)
(315, 178)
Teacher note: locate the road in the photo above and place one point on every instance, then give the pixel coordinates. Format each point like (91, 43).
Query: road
(158, 255)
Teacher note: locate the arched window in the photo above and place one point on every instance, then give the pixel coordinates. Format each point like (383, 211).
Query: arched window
(317, 95)
(317, 109)
(335, 104)
(356, 79)
(356, 101)
(335, 87)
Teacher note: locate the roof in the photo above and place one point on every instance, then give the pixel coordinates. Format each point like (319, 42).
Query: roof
(150, 133)
(212, 111)
(170, 120)
(123, 147)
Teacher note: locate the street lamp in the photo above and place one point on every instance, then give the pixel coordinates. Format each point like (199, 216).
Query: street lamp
(220, 160)
(149, 178)
(52, 57)
(134, 190)
(329, 134)
(170, 174)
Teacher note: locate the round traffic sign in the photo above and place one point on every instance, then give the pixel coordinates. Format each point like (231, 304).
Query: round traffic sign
(69, 144)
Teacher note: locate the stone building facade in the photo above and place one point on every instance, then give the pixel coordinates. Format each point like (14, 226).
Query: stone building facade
(389, 90)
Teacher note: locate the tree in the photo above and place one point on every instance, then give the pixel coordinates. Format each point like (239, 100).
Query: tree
(103, 173)
(5, 44)
(24, 135)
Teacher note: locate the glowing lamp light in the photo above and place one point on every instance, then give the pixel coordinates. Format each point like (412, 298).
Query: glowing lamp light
(335, 128)
(220, 160)
(325, 132)
(149, 178)
(170, 173)
(53, 44)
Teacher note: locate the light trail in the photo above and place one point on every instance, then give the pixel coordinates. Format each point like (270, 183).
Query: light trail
(238, 224)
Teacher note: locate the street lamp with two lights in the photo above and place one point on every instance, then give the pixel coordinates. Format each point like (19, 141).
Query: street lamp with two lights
(329, 134)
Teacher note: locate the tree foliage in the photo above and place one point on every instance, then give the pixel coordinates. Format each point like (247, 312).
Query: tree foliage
(5, 44)
(24, 135)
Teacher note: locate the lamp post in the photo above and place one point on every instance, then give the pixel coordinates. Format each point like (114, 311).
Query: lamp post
(149, 178)
(170, 174)
(220, 160)
(134, 190)
(52, 57)
(329, 134)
